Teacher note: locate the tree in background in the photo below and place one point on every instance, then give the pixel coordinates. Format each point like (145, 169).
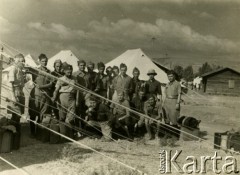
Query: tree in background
(215, 67)
(188, 73)
(179, 71)
(205, 68)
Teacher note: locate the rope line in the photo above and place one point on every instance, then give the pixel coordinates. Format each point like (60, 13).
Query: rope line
(133, 111)
(14, 166)
(79, 143)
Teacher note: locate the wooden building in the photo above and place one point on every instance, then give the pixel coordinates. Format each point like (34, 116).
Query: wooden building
(224, 81)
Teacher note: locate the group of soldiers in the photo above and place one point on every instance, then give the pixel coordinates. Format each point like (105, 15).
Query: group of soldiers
(86, 99)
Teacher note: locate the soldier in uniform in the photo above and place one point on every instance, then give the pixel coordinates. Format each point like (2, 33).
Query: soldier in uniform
(153, 87)
(122, 82)
(115, 70)
(91, 77)
(136, 84)
(102, 81)
(109, 72)
(171, 103)
(153, 109)
(66, 93)
(16, 80)
(56, 73)
(98, 115)
(81, 81)
(137, 104)
(43, 85)
(121, 114)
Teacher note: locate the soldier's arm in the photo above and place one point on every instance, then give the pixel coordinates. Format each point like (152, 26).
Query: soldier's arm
(159, 93)
(127, 112)
(159, 112)
(45, 86)
(179, 94)
(11, 78)
(56, 91)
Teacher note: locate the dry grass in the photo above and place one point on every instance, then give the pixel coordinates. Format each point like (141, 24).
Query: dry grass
(218, 113)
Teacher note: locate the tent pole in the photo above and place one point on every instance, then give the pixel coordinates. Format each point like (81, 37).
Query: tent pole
(1, 69)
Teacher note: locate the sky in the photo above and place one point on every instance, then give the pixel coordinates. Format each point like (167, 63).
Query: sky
(180, 32)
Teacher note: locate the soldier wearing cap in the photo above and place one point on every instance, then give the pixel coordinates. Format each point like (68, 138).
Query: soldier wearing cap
(65, 92)
(136, 84)
(153, 87)
(57, 68)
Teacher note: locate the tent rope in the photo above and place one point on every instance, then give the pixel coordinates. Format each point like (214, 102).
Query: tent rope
(79, 143)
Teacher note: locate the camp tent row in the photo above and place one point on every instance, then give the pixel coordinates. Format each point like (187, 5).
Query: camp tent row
(132, 58)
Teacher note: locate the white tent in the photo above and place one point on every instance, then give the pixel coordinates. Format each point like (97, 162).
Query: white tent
(137, 58)
(29, 61)
(64, 56)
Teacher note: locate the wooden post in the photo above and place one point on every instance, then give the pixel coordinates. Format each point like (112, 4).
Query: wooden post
(1, 69)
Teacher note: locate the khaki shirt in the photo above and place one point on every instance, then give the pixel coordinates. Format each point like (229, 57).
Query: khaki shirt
(80, 78)
(153, 87)
(102, 82)
(122, 83)
(173, 89)
(64, 86)
(152, 111)
(16, 76)
(42, 79)
(120, 111)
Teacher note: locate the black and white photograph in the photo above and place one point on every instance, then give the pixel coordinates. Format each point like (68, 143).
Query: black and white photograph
(119, 87)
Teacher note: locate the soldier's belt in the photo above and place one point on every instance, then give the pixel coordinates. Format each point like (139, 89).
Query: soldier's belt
(173, 97)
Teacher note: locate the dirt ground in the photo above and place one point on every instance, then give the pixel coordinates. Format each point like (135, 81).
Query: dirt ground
(217, 114)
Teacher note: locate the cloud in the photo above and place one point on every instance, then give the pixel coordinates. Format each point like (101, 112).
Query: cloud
(145, 1)
(170, 34)
(6, 26)
(203, 15)
(62, 31)
(206, 15)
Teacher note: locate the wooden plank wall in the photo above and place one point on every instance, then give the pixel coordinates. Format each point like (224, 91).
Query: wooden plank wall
(218, 84)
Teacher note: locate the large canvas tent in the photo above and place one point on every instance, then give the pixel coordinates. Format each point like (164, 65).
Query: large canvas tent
(137, 58)
(30, 61)
(64, 56)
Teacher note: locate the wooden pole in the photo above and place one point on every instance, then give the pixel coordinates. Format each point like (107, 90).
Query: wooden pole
(1, 69)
